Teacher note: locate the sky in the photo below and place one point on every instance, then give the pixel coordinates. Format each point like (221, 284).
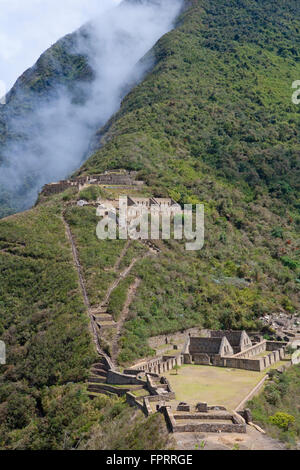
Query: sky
(28, 27)
(61, 132)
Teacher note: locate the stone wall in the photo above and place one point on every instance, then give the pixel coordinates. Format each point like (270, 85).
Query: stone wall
(205, 345)
(57, 188)
(162, 389)
(205, 416)
(132, 372)
(147, 407)
(239, 340)
(174, 426)
(108, 389)
(174, 338)
(247, 359)
(252, 351)
(241, 363)
(275, 345)
(296, 357)
(211, 427)
(116, 378)
(113, 179)
(159, 365)
(202, 359)
(133, 401)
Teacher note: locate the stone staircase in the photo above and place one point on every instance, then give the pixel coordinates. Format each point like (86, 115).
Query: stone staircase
(98, 376)
(102, 318)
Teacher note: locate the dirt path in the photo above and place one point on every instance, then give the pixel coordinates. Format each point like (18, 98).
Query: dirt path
(122, 255)
(152, 250)
(130, 296)
(77, 263)
(93, 326)
(117, 281)
(252, 440)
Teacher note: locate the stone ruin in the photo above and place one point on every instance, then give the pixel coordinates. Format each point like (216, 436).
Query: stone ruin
(233, 349)
(133, 206)
(204, 418)
(120, 178)
(285, 327)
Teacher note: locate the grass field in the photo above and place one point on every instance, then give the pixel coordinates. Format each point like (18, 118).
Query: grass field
(214, 385)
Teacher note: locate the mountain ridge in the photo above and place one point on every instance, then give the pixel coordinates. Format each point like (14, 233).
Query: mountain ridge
(211, 123)
(73, 88)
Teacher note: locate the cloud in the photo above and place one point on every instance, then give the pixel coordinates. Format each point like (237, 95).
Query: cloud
(28, 27)
(58, 134)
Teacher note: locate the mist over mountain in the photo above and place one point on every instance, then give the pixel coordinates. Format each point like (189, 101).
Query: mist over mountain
(56, 106)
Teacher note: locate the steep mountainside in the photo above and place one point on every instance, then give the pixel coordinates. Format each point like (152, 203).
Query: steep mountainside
(219, 97)
(59, 68)
(51, 114)
(213, 123)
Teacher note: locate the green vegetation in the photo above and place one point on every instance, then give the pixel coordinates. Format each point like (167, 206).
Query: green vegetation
(98, 257)
(43, 399)
(118, 298)
(43, 320)
(276, 409)
(219, 98)
(125, 429)
(282, 420)
(212, 123)
(69, 419)
(92, 193)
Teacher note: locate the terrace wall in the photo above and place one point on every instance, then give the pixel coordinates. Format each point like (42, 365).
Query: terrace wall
(159, 365)
(230, 427)
(116, 378)
(247, 359)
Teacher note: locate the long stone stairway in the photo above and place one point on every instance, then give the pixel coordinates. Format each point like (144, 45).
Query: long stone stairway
(98, 376)
(102, 318)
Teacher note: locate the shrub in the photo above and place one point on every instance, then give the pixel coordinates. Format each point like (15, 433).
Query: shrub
(282, 420)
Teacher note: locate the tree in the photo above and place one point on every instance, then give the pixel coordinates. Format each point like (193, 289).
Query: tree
(282, 420)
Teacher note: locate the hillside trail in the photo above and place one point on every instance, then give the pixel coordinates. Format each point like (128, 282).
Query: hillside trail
(153, 250)
(93, 326)
(102, 308)
(122, 256)
(117, 281)
(124, 315)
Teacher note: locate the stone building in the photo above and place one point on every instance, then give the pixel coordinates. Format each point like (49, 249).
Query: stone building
(165, 205)
(233, 349)
(119, 178)
(239, 340)
(208, 351)
(138, 202)
(159, 205)
(106, 208)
